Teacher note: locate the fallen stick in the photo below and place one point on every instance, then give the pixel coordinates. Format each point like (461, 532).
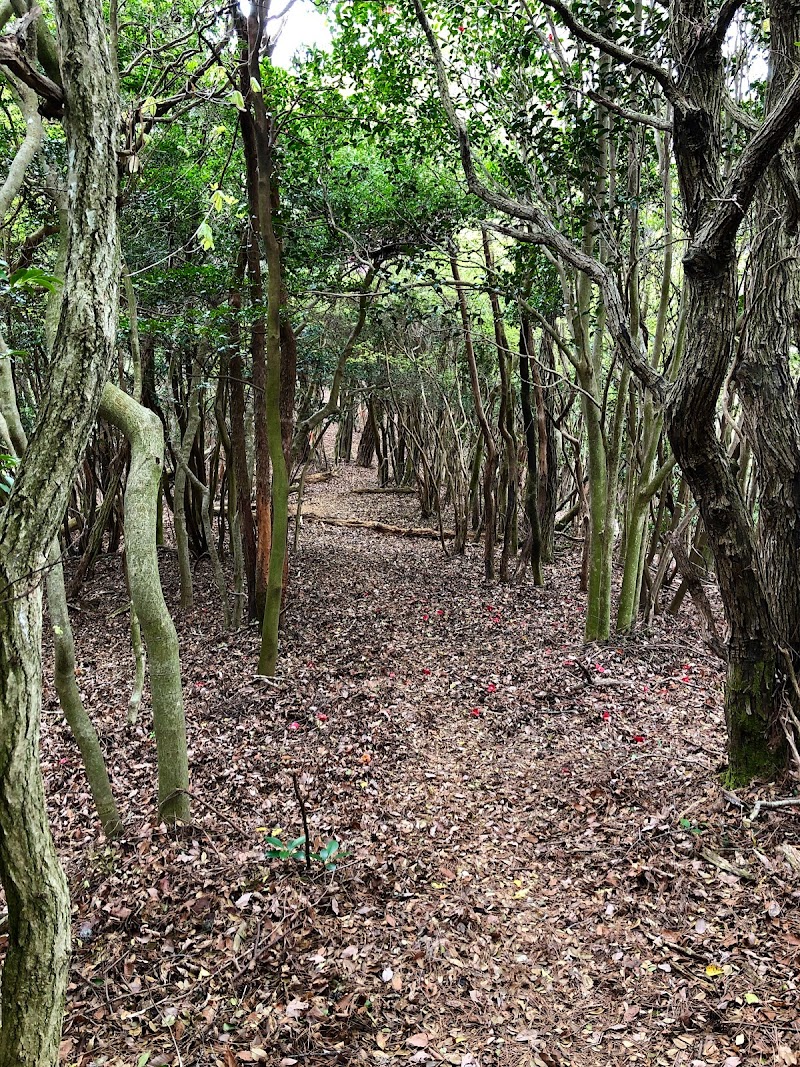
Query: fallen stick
(395, 489)
(379, 527)
(314, 479)
(784, 802)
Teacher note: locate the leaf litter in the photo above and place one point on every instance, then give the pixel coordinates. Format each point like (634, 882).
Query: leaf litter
(539, 863)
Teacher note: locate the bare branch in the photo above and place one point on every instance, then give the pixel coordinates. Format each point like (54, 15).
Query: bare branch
(713, 242)
(639, 117)
(622, 54)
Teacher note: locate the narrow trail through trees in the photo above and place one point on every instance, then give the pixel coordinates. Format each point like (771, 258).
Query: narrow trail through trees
(530, 827)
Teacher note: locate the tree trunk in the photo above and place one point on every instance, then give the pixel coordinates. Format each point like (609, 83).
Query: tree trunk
(533, 549)
(366, 444)
(69, 697)
(763, 373)
(486, 432)
(35, 972)
(183, 451)
(711, 302)
(146, 437)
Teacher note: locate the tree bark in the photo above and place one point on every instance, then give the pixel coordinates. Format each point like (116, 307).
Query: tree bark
(35, 972)
(763, 374)
(145, 435)
(711, 302)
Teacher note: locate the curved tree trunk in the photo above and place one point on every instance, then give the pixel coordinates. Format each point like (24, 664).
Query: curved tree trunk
(145, 434)
(35, 972)
(763, 373)
(69, 697)
(711, 302)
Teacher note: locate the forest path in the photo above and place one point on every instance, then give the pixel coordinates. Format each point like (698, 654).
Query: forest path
(523, 848)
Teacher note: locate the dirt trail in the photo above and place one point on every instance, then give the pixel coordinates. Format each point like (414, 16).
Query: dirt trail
(527, 825)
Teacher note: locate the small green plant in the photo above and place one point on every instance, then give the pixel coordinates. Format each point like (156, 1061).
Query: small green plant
(296, 850)
(7, 466)
(687, 824)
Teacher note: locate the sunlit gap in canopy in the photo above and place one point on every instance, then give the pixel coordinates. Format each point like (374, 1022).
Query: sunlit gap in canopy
(296, 26)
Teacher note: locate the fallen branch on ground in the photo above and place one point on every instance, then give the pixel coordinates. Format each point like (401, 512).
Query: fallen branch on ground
(784, 802)
(380, 527)
(314, 479)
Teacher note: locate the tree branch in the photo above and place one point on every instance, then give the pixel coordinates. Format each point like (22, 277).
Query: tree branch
(712, 244)
(13, 56)
(621, 54)
(632, 116)
(546, 233)
(724, 19)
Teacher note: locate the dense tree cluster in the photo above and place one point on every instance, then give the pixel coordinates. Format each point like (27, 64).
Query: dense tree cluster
(538, 259)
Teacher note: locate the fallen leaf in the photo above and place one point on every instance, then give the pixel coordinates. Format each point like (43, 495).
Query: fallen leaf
(419, 1040)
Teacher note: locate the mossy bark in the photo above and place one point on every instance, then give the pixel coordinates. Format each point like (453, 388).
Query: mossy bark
(754, 748)
(69, 697)
(145, 435)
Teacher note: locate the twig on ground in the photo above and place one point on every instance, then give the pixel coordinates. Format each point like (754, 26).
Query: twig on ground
(304, 816)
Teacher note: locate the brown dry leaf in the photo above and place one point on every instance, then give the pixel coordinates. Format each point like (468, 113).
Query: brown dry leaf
(419, 1040)
(545, 786)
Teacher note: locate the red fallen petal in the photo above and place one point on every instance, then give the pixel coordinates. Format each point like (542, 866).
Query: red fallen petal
(476, 712)
(424, 618)
(685, 678)
(606, 715)
(638, 739)
(322, 717)
(439, 611)
(425, 670)
(491, 688)
(294, 725)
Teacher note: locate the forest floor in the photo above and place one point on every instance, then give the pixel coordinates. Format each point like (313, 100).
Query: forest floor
(539, 865)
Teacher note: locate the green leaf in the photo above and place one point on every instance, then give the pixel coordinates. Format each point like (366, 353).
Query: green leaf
(145, 1056)
(205, 236)
(238, 99)
(297, 843)
(31, 277)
